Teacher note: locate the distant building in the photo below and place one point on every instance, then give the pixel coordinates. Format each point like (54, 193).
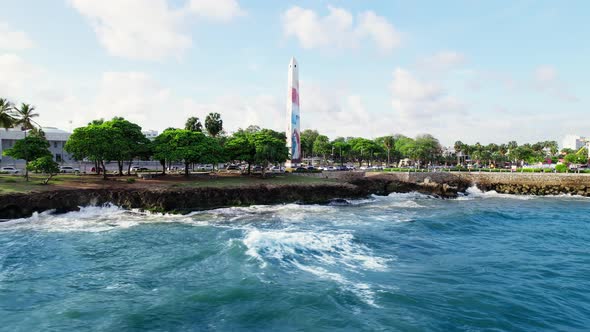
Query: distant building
(448, 151)
(150, 134)
(57, 139)
(573, 142)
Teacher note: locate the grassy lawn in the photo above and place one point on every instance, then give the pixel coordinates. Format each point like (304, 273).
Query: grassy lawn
(237, 181)
(17, 184)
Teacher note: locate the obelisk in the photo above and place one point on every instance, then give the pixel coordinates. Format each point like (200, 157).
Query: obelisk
(293, 117)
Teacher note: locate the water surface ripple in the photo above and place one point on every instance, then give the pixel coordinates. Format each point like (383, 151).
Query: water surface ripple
(405, 262)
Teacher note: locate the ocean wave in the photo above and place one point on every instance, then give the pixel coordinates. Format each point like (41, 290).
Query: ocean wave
(361, 290)
(410, 195)
(93, 219)
(323, 254)
(475, 193)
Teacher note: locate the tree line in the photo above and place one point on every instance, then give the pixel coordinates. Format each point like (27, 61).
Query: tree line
(119, 140)
(34, 148)
(122, 141)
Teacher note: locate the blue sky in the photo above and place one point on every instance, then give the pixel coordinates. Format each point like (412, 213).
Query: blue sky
(471, 70)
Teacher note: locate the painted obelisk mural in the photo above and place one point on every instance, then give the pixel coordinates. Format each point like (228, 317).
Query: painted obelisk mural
(293, 116)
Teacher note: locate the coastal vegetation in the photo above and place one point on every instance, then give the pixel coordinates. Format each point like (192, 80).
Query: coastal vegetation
(121, 141)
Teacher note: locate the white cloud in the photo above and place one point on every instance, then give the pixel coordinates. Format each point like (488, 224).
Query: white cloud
(16, 74)
(133, 95)
(337, 112)
(546, 80)
(23, 82)
(138, 29)
(14, 40)
(379, 29)
(238, 111)
(421, 104)
(148, 29)
(222, 10)
(444, 60)
(338, 29)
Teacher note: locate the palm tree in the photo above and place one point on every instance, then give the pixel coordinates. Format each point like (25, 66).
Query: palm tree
(388, 143)
(7, 119)
(24, 118)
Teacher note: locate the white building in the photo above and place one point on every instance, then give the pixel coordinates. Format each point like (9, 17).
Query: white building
(573, 142)
(57, 139)
(150, 134)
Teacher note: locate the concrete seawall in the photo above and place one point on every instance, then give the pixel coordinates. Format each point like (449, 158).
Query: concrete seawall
(509, 183)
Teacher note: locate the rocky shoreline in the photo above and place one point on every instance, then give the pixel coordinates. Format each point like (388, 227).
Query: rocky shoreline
(174, 200)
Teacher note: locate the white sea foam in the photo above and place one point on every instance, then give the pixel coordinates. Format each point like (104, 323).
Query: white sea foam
(473, 193)
(329, 248)
(320, 253)
(362, 290)
(93, 219)
(410, 195)
(284, 212)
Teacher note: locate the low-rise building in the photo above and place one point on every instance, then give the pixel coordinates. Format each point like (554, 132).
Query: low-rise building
(57, 139)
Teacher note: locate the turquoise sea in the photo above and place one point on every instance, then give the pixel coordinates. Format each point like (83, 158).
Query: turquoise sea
(405, 262)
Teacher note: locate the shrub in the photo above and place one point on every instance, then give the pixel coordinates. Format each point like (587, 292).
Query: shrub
(130, 180)
(561, 168)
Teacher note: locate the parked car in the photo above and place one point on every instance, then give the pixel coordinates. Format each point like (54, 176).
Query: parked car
(9, 170)
(329, 168)
(207, 167)
(68, 169)
(300, 169)
(350, 168)
(233, 169)
(310, 168)
(277, 169)
(256, 169)
(139, 169)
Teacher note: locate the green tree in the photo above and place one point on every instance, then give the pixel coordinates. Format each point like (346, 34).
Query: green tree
(459, 150)
(241, 147)
(405, 145)
(270, 148)
(93, 142)
(96, 122)
(213, 124)
(28, 149)
(44, 165)
(552, 146)
(322, 146)
(24, 116)
(128, 143)
(341, 148)
(193, 124)
(363, 147)
(162, 149)
(388, 143)
(193, 147)
(567, 151)
(426, 149)
(7, 119)
(308, 138)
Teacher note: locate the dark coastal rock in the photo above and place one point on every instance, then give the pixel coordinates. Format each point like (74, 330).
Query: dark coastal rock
(174, 200)
(439, 184)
